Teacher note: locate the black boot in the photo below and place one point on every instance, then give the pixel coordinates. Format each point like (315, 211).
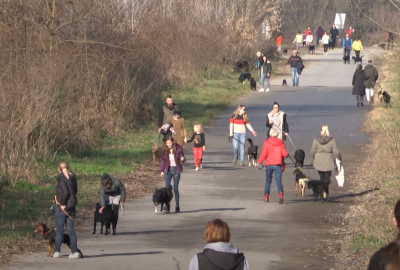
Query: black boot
(362, 104)
(177, 209)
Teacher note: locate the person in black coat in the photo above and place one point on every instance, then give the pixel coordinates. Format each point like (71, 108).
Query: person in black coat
(334, 35)
(65, 212)
(358, 85)
(388, 257)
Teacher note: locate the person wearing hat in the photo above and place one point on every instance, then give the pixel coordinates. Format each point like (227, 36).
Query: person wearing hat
(178, 123)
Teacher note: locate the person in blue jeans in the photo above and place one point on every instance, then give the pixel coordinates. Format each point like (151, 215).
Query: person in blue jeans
(171, 166)
(237, 132)
(65, 212)
(293, 63)
(347, 44)
(266, 70)
(273, 152)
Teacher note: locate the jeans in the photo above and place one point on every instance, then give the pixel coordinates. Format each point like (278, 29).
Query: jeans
(360, 98)
(298, 46)
(264, 77)
(346, 52)
(333, 43)
(325, 176)
(239, 139)
(357, 54)
(277, 170)
(369, 92)
(60, 219)
(295, 76)
(173, 173)
(326, 48)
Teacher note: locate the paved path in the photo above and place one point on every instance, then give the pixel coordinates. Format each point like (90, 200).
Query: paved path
(272, 236)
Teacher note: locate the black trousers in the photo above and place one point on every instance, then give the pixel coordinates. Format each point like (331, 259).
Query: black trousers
(325, 177)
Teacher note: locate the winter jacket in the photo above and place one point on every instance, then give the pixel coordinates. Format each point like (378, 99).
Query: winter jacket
(279, 41)
(325, 39)
(165, 114)
(359, 82)
(219, 255)
(334, 32)
(347, 43)
(307, 31)
(164, 160)
(266, 68)
(293, 60)
(179, 127)
(116, 188)
(298, 38)
(324, 152)
(372, 74)
(66, 190)
(357, 46)
(310, 40)
(273, 152)
(320, 32)
(283, 125)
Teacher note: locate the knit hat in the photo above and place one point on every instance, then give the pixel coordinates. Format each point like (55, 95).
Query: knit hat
(176, 112)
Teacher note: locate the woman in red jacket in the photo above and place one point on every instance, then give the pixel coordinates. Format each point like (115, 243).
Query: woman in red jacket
(273, 152)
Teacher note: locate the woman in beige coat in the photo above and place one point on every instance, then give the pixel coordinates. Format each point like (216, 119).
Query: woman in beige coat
(324, 152)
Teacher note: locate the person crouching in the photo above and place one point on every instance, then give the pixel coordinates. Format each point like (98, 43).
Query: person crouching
(273, 152)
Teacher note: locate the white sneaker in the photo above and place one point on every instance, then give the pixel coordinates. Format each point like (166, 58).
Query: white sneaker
(267, 90)
(197, 168)
(56, 255)
(261, 90)
(75, 255)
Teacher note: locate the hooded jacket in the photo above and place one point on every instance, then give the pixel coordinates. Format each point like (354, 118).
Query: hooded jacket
(324, 152)
(116, 188)
(320, 32)
(273, 152)
(164, 160)
(371, 75)
(357, 46)
(358, 82)
(219, 255)
(66, 190)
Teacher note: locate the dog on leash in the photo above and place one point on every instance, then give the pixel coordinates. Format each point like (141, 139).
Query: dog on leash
(318, 187)
(384, 96)
(285, 51)
(162, 196)
(357, 60)
(244, 76)
(284, 82)
(49, 235)
(106, 218)
(311, 49)
(253, 84)
(346, 58)
(299, 157)
(252, 153)
(300, 181)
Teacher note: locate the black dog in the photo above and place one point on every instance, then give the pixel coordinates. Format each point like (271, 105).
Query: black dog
(252, 153)
(357, 59)
(318, 187)
(284, 83)
(300, 180)
(384, 96)
(107, 217)
(163, 196)
(299, 157)
(253, 84)
(311, 48)
(346, 58)
(244, 76)
(285, 51)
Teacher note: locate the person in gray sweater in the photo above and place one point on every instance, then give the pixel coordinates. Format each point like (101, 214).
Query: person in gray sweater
(324, 152)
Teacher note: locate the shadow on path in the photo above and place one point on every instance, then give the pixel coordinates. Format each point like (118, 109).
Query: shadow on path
(123, 254)
(213, 209)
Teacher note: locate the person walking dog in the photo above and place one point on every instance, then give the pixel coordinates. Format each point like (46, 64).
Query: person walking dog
(266, 70)
(293, 63)
(273, 152)
(276, 120)
(371, 75)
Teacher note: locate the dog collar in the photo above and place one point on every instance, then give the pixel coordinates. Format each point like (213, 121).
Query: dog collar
(47, 232)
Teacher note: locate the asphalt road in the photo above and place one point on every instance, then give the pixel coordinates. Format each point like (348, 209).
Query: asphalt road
(272, 236)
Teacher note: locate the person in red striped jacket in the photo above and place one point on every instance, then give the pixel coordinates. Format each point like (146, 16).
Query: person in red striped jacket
(237, 132)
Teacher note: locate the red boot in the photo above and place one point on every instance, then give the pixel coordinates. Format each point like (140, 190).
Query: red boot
(280, 198)
(266, 198)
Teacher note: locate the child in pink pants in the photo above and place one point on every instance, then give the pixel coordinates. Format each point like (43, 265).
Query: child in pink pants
(199, 145)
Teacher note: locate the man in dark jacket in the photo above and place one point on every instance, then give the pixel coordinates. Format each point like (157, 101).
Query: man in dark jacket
(334, 33)
(112, 192)
(166, 112)
(371, 75)
(320, 33)
(293, 62)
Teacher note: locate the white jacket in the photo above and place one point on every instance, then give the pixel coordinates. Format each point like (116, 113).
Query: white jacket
(325, 39)
(309, 39)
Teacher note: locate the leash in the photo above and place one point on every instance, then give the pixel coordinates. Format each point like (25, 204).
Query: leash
(280, 130)
(55, 198)
(231, 137)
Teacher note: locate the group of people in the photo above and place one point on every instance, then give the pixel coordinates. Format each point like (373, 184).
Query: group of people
(364, 82)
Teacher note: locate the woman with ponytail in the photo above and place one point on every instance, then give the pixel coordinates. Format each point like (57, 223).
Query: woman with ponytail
(65, 212)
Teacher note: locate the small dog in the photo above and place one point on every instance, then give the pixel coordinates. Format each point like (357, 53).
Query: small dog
(156, 152)
(318, 187)
(244, 76)
(252, 153)
(253, 84)
(300, 181)
(346, 58)
(383, 46)
(49, 236)
(311, 49)
(284, 83)
(299, 157)
(107, 217)
(163, 196)
(285, 51)
(357, 59)
(384, 96)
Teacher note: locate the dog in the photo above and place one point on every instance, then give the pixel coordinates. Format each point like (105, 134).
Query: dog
(244, 76)
(49, 235)
(284, 82)
(156, 152)
(384, 96)
(285, 51)
(318, 187)
(383, 46)
(311, 49)
(300, 181)
(358, 59)
(162, 196)
(253, 84)
(346, 58)
(252, 153)
(299, 157)
(106, 218)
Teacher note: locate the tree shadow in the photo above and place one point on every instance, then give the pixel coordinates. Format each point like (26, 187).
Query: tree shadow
(145, 232)
(123, 254)
(213, 210)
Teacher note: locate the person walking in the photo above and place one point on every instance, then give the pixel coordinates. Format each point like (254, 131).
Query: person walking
(273, 152)
(324, 153)
(388, 257)
(199, 145)
(334, 33)
(237, 132)
(218, 253)
(359, 85)
(293, 63)
(310, 41)
(179, 127)
(259, 63)
(357, 47)
(276, 120)
(266, 70)
(166, 112)
(390, 40)
(325, 42)
(349, 31)
(308, 31)
(279, 43)
(347, 45)
(320, 32)
(371, 75)
(298, 41)
(112, 194)
(65, 212)
(171, 167)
